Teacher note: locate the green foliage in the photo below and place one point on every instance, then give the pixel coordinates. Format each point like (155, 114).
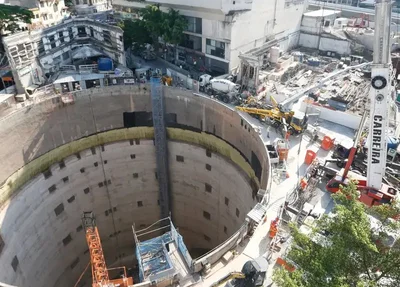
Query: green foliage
(174, 25)
(135, 32)
(154, 24)
(11, 15)
(351, 258)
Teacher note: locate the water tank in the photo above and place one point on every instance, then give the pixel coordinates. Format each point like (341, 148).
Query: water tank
(392, 142)
(105, 64)
(274, 55)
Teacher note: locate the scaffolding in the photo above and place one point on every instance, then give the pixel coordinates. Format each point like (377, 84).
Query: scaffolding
(154, 255)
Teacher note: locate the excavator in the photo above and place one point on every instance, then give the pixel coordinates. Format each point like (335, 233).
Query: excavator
(372, 189)
(253, 274)
(296, 122)
(100, 275)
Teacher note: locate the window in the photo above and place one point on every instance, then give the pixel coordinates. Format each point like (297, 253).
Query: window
(133, 156)
(93, 150)
(105, 162)
(67, 240)
(40, 46)
(74, 263)
(208, 167)
(42, 4)
(44, 16)
(78, 155)
(140, 203)
(85, 2)
(237, 212)
(77, 2)
(71, 199)
(180, 158)
(81, 31)
(208, 188)
(96, 164)
(101, 184)
(107, 36)
(15, 263)
(194, 25)
(208, 153)
(137, 141)
(47, 174)
(135, 175)
(55, 7)
(206, 238)
(206, 215)
(131, 142)
(59, 209)
(86, 190)
(52, 188)
(66, 179)
(82, 170)
(65, 55)
(120, 38)
(191, 42)
(91, 32)
(51, 16)
(241, 122)
(102, 148)
(1, 243)
(225, 230)
(215, 48)
(226, 201)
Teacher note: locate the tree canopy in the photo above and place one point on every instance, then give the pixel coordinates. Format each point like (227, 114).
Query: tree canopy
(353, 256)
(154, 24)
(10, 16)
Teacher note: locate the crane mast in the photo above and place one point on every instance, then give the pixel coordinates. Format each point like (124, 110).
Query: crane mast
(380, 91)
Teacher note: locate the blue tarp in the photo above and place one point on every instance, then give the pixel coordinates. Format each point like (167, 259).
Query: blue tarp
(152, 256)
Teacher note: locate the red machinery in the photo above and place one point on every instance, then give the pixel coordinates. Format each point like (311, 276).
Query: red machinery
(100, 273)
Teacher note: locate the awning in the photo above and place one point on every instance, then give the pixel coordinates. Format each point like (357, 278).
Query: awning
(85, 52)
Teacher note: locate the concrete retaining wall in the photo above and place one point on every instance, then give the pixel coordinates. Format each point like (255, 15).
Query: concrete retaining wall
(34, 131)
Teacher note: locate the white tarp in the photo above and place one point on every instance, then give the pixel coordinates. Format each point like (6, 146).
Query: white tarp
(85, 52)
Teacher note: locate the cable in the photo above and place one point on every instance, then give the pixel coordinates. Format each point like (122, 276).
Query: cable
(80, 277)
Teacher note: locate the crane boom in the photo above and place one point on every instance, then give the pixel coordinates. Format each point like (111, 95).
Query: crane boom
(100, 275)
(99, 268)
(381, 85)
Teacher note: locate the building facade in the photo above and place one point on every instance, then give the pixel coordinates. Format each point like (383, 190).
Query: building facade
(220, 30)
(86, 7)
(46, 13)
(35, 55)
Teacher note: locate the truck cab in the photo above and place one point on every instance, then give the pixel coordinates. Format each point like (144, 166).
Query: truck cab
(299, 122)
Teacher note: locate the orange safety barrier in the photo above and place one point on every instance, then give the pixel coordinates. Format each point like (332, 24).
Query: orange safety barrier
(327, 143)
(310, 156)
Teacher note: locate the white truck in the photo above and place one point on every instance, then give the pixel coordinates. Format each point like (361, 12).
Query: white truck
(223, 89)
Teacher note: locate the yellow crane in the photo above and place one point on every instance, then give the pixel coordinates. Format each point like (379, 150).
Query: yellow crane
(295, 122)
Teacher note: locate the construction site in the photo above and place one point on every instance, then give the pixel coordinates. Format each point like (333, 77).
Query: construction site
(152, 184)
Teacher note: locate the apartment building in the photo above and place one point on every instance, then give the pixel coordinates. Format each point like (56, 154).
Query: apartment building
(46, 13)
(86, 7)
(36, 55)
(220, 30)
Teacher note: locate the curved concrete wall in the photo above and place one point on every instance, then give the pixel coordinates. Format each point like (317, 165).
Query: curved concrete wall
(37, 130)
(42, 227)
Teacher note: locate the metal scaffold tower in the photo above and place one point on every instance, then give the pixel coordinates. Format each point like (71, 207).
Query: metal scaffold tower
(160, 138)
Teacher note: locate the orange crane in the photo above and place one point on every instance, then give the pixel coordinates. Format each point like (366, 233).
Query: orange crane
(100, 273)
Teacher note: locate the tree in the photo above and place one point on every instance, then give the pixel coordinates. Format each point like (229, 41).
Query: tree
(135, 32)
(153, 19)
(10, 16)
(174, 25)
(352, 254)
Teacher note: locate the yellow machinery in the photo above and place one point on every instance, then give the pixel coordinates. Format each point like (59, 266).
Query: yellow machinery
(253, 274)
(297, 123)
(166, 80)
